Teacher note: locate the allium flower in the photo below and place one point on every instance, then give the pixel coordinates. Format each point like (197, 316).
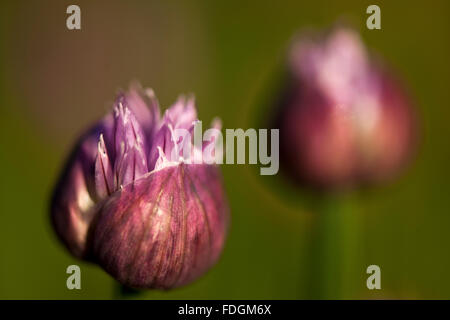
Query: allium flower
(345, 119)
(129, 201)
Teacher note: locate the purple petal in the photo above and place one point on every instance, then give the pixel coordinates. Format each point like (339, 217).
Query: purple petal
(161, 143)
(104, 178)
(131, 159)
(75, 193)
(177, 123)
(182, 114)
(144, 105)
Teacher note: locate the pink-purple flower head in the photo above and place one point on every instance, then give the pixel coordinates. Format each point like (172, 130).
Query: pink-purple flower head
(137, 198)
(346, 120)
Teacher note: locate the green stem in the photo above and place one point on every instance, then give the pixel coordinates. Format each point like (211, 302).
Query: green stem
(122, 292)
(335, 250)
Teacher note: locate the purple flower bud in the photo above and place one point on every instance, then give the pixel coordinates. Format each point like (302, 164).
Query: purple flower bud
(130, 201)
(345, 120)
(164, 230)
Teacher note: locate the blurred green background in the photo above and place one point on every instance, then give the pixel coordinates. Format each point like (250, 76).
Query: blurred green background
(55, 82)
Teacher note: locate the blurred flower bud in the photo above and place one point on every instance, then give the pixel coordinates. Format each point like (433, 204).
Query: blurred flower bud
(129, 201)
(345, 120)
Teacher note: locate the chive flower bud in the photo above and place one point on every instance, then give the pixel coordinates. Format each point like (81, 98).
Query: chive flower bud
(130, 200)
(345, 120)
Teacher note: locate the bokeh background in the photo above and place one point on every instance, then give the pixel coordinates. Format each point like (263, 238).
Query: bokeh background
(55, 82)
